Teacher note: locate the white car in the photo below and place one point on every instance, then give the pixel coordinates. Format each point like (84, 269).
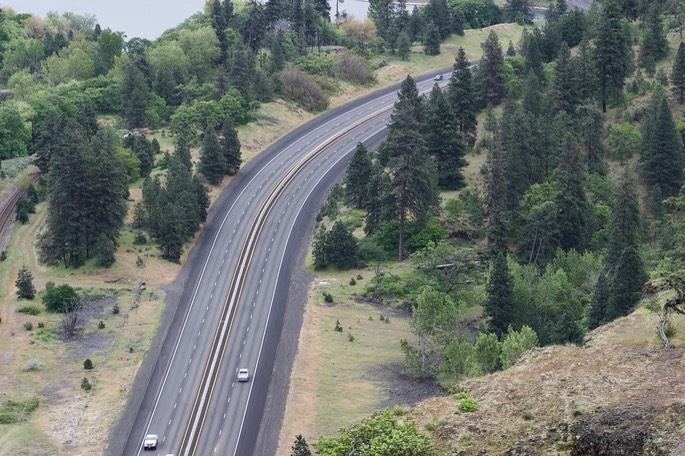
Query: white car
(243, 375)
(150, 442)
(438, 78)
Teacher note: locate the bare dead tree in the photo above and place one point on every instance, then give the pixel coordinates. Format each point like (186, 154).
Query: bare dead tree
(675, 304)
(71, 325)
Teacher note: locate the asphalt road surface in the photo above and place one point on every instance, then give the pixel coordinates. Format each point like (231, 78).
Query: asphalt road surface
(234, 293)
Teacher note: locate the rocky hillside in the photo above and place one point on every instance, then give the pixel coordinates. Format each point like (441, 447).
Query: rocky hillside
(620, 394)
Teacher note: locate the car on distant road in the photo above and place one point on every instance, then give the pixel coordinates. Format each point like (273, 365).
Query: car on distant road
(438, 78)
(243, 375)
(150, 442)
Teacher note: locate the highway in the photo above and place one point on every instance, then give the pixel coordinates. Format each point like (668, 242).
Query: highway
(235, 297)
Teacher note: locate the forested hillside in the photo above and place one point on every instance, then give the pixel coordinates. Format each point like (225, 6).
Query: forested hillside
(538, 197)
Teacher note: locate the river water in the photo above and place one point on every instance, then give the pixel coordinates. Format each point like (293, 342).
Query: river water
(141, 18)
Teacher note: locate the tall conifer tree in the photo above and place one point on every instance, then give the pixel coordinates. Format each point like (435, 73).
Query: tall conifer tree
(443, 140)
(413, 182)
(678, 73)
(212, 164)
(661, 151)
(460, 93)
(612, 52)
(571, 199)
(500, 305)
(492, 71)
(358, 177)
(230, 146)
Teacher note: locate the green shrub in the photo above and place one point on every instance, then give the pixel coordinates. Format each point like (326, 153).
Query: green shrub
(29, 310)
(353, 282)
(338, 326)
(350, 337)
(327, 297)
(15, 411)
(461, 395)
(515, 343)
(101, 325)
(527, 416)
(140, 239)
(41, 324)
(88, 364)
(28, 326)
(430, 427)
(85, 384)
(115, 309)
(468, 405)
(31, 365)
(399, 411)
(61, 298)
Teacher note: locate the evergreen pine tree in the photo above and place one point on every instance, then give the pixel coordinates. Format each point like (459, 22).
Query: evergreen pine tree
(230, 145)
(511, 50)
(678, 73)
(533, 55)
(585, 72)
(492, 71)
(437, 12)
(571, 199)
(358, 176)
(24, 284)
(341, 247)
(106, 200)
(212, 164)
(300, 447)
(432, 40)
(458, 20)
(500, 306)
(654, 42)
(67, 183)
(661, 152)
(403, 46)
(413, 184)
(519, 11)
(600, 301)
(444, 141)
(460, 94)
(219, 25)
(134, 97)
(612, 52)
(182, 151)
(626, 282)
(591, 126)
(564, 85)
(170, 233)
(495, 192)
(319, 251)
(516, 143)
(378, 194)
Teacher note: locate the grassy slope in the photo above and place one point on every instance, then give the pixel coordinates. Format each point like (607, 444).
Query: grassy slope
(66, 415)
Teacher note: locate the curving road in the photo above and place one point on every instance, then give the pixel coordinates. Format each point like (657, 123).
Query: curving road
(230, 312)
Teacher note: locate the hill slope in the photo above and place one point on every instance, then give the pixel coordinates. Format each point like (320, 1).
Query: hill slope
(621, 394)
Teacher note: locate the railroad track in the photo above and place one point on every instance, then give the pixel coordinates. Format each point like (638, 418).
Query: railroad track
(7, 210)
